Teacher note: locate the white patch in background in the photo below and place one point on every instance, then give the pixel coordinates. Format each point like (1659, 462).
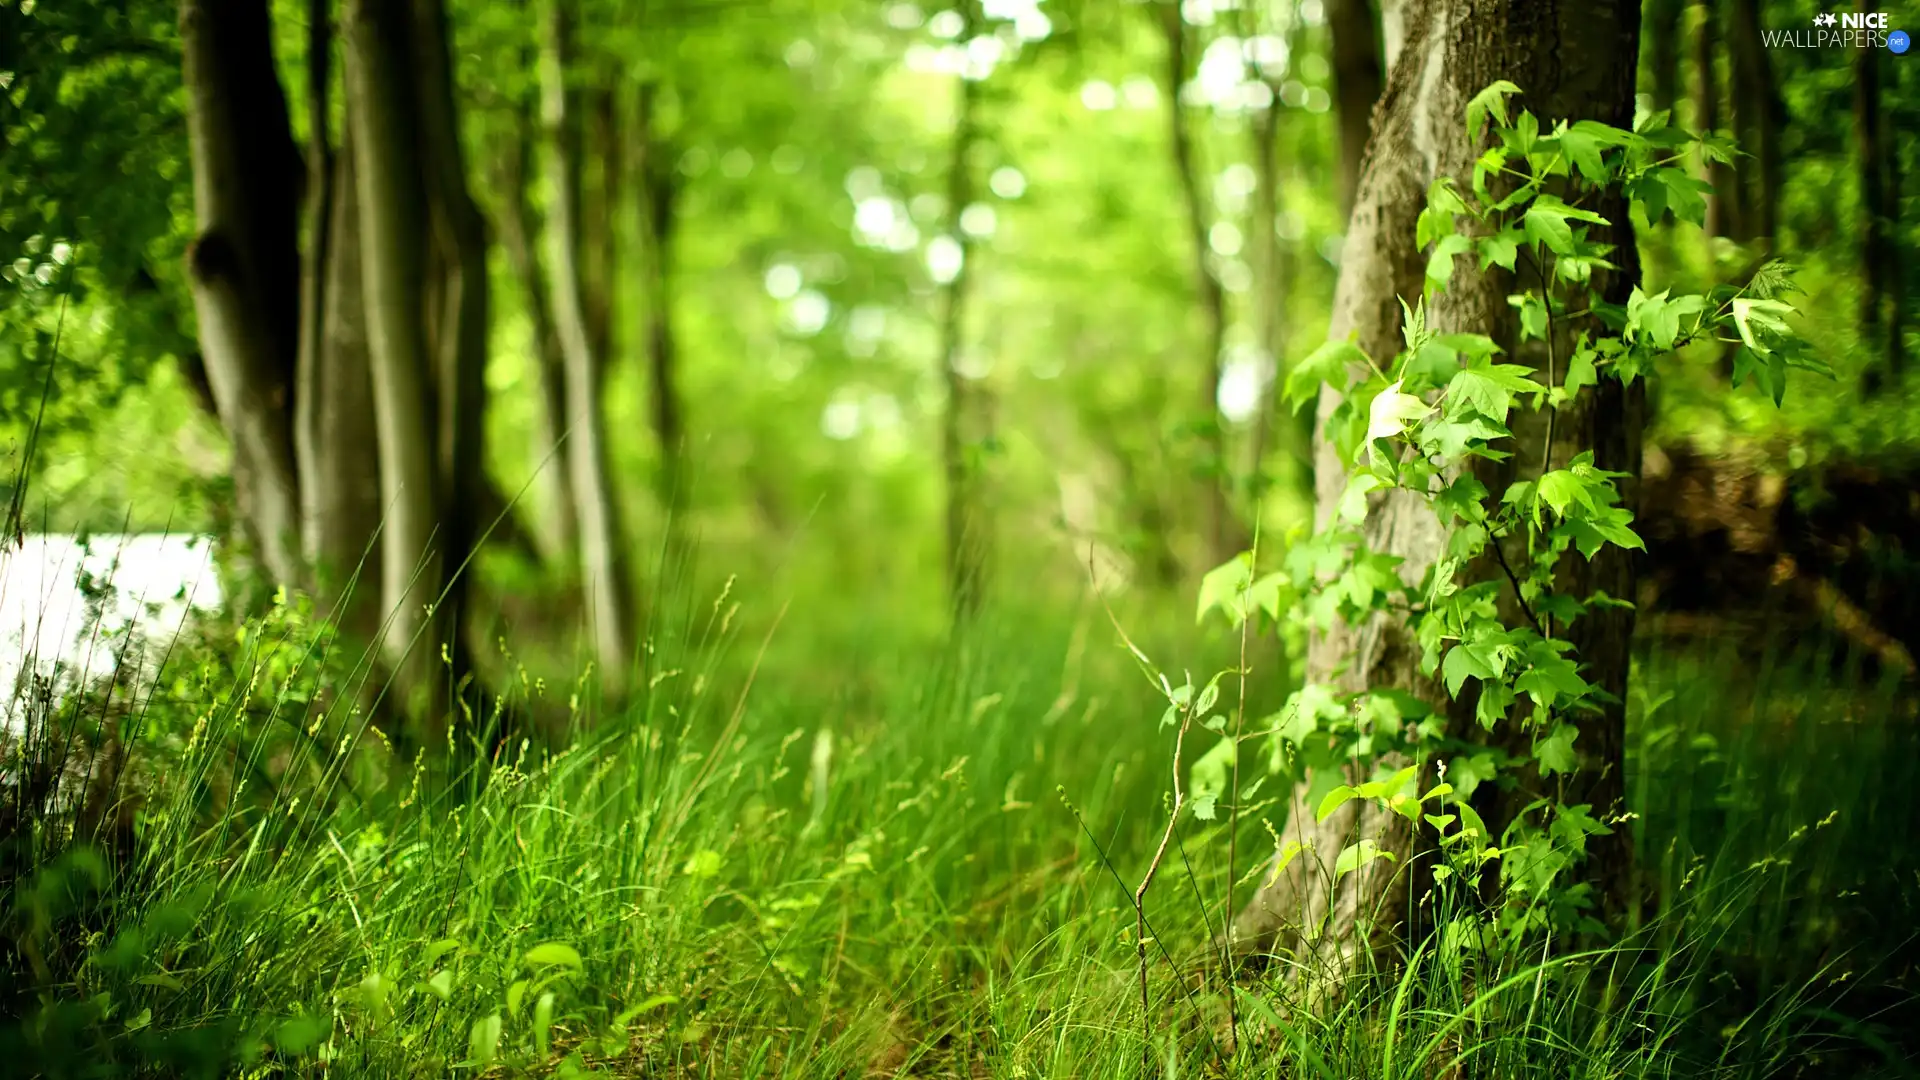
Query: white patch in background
(151, 582)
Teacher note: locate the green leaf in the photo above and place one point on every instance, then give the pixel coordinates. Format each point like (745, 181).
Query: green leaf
(1356, 856)
(553, 954)
(1754, 318)
(1335, 799)
(483, 1041)
(1555, 752)
(1584, 143)
(1224, 587)
(1331, 363)
(543, 1023)
(1283, 855)
(1440, 263)
(1353, 501)
(1492, 100)
(1500, 249)
(1463, 662)
(1546, 222)
(1489, 390)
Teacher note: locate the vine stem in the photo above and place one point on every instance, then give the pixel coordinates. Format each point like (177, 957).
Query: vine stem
(1146, 882)
(1553, 413)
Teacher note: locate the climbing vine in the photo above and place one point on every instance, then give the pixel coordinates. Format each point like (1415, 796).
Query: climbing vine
(1416, 423)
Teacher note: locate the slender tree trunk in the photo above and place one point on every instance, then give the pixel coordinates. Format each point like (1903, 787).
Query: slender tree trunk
(966, 529)
(1723, 204)
(1453, 49)
(602, 556)
(1222, 531)
(659, 200)
(1356, 78)
(244, 265)
(383, 110)
(1880, 295)
(1663, 33)
(517, 230)
(336, 436)
(458, 331)
(603, 170)
(1760, 115)
(1270, 276)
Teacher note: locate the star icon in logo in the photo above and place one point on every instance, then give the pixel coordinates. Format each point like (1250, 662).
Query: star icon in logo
(1824, 19)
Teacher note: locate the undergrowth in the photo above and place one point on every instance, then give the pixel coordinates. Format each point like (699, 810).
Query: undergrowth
(740, 874)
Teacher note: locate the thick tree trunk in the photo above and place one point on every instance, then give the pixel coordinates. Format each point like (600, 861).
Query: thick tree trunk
(1356, 81)
(517, 230)
(1222, 529)
(1881, 294)
(965, 522)
(244, 265)
(660, 192)
(382, 108)
(602, 556)
(1453, 49)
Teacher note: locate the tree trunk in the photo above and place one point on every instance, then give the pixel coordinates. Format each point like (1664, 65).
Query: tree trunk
(1723, 203)
(1356, 79)
(1662, 35)
(517, 230)
(335, 433)
(382, 108)
(1759, 116)
(603, 169)
(1271, 288)
(244, 265)
(1880, 295)
(1453, 49)
(1222, 531)
(966, 532)
(458, 329)
(659, 197)
(602, 557)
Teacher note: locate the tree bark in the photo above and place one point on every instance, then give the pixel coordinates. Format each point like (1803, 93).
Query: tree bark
(1881, 294)
(244, 265)
(517, 230)
(383, 111)
(335, 433)
(1222, 531)
(1759, 116)
(458, 333)
(1662, 35)
(1723, 203)
(1356, 79)
(602, 557)
(1453, 49)
(660, 193)
(965, 522)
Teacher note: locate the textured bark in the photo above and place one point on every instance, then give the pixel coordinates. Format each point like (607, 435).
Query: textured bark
(602, 556)
(244, 264)
(1453, 49)
(517, 230)
(660, 192)
(1222, 530)
(1356, 79)
(335, 434)
(604, 172)
(1878, 165)
(383, 111)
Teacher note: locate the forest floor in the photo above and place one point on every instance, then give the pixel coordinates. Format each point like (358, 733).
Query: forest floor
(914, 859)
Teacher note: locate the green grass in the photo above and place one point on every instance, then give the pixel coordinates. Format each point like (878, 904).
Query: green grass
(862, 865)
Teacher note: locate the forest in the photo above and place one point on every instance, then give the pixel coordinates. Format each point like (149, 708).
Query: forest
(958, 538)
